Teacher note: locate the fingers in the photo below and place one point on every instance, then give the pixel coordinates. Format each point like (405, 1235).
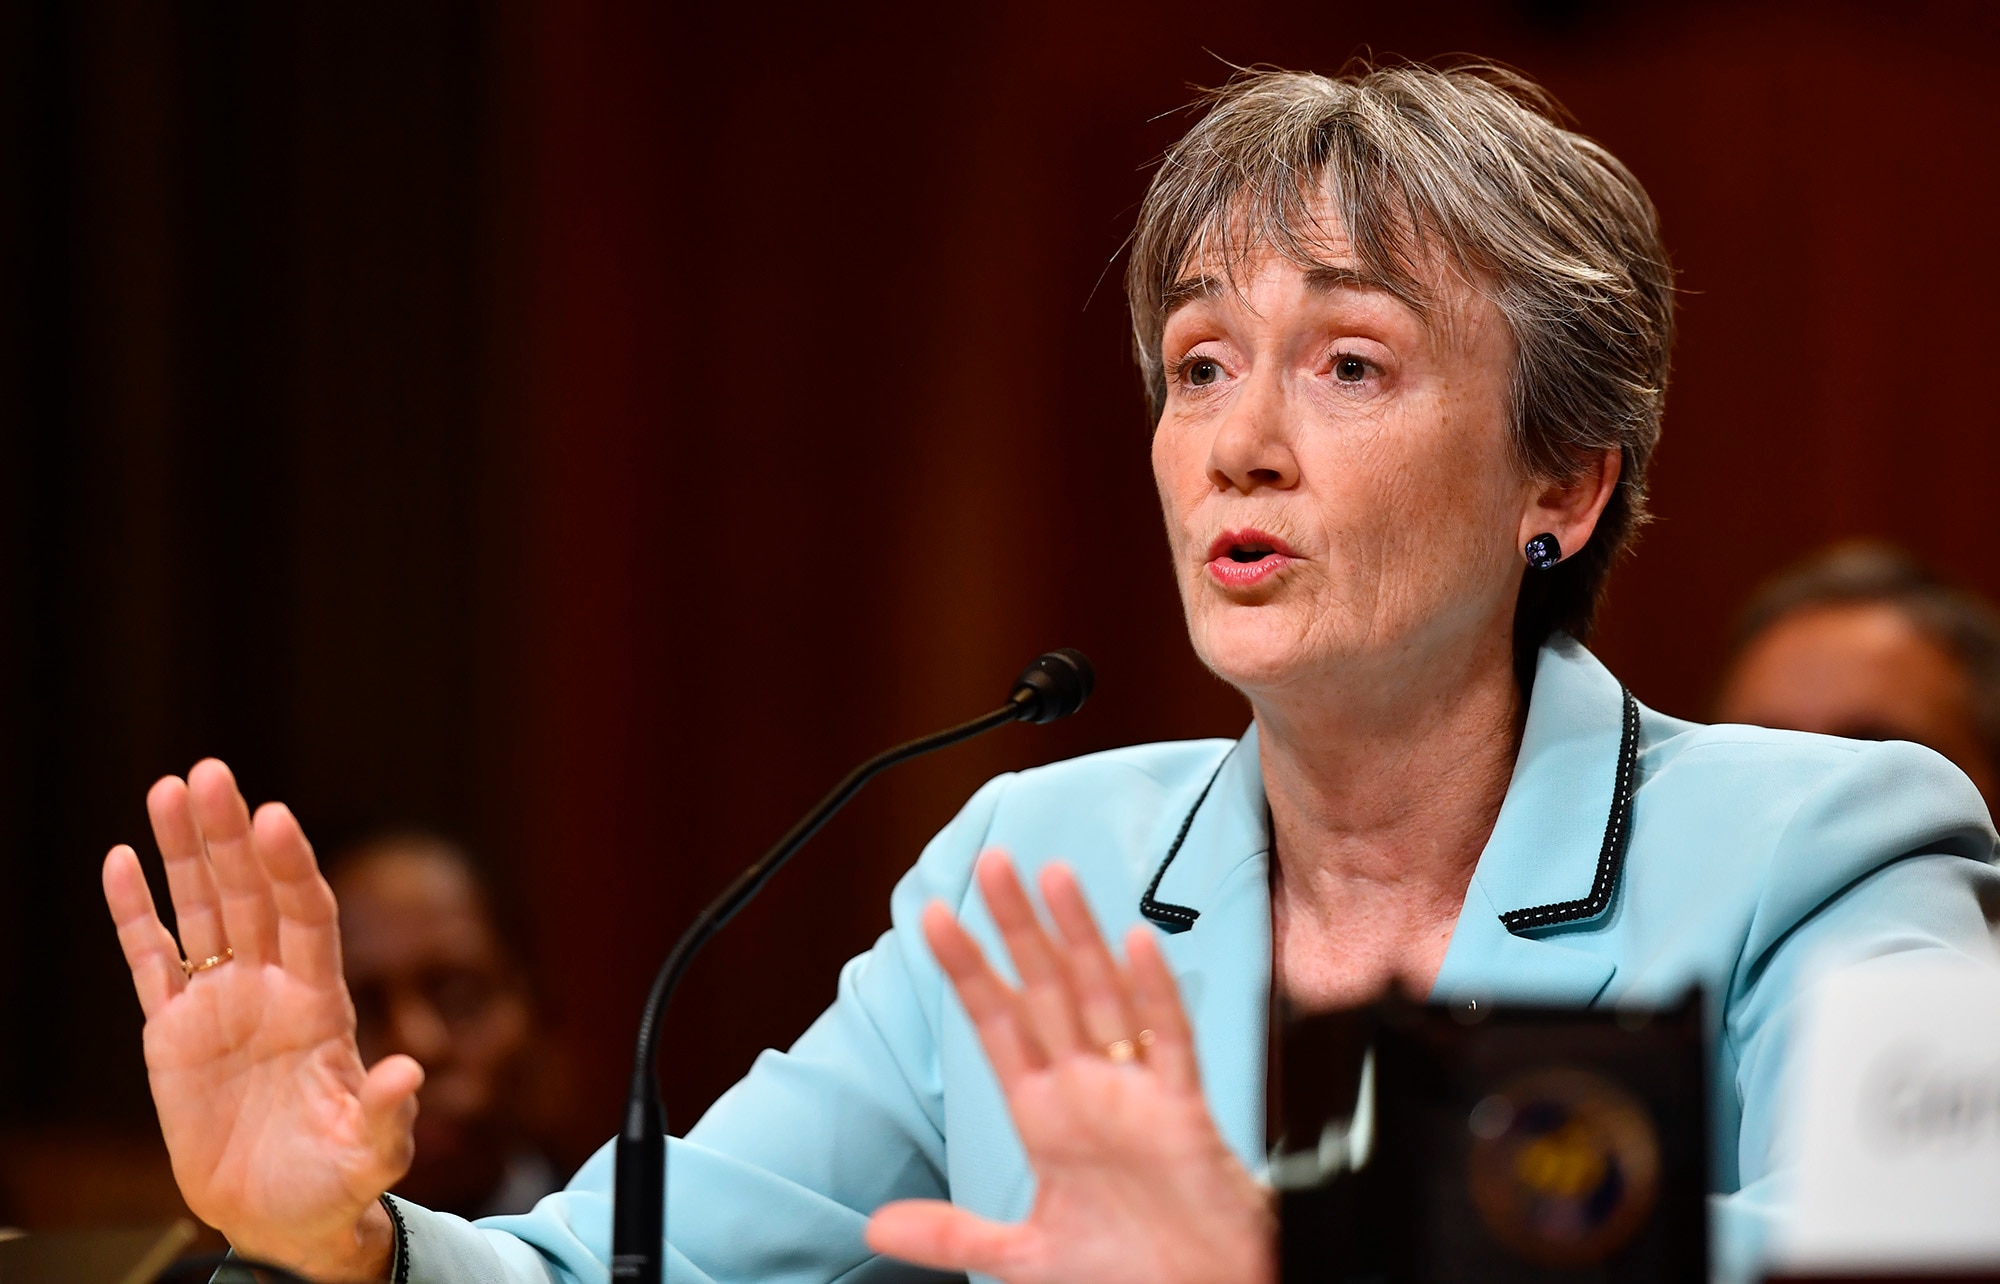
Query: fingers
(1095, 978)
(989, 1001)
(1156, 1003)
(190, 880)
(389, 1113)
(1045, 991)
(249, 914)
(1074, 999)
(149, 947)
(308, 922)
(944, 1237)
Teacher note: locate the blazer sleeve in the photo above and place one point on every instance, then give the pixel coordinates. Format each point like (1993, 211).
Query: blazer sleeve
(778, 1179)
(1891, 854)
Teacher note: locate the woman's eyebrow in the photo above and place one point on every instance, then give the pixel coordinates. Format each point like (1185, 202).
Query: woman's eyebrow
(1323, 279)
(1328, 278)
(1186, 291)
(1348, 279)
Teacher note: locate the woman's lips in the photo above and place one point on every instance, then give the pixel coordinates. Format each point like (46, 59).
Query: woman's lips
(1239, 559)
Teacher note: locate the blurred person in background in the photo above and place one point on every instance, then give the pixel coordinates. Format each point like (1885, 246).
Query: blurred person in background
(436, 974)
(1861, 640)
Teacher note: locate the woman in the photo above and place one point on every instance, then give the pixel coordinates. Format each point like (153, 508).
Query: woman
(1406, 340)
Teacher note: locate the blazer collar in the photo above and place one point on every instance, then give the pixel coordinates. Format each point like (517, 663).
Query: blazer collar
(1552, 867)
(1558, 846)
(1225, 824)
(1552, 860)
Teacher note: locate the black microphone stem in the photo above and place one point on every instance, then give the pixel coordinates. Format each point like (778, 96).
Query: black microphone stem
(638, 1212)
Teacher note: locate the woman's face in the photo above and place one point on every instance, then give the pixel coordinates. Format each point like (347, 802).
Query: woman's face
(1337, 475)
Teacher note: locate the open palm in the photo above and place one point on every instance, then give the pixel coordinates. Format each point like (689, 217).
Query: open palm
(1133, 1181)
(279, 1137)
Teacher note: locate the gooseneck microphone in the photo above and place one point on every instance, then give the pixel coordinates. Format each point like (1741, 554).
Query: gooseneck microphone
(1054, 686)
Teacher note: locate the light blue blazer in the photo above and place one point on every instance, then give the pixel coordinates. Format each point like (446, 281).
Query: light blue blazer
(1634, 854)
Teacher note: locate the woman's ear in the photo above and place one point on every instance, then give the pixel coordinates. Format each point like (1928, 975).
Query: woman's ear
(1569, 509)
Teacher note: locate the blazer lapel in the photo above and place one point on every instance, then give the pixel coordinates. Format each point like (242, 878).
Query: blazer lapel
(1488, 964)
(1212, 900)
(1549, 872)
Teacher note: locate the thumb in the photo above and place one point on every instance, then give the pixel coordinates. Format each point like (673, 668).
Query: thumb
(388, 1111)
(933, 1233)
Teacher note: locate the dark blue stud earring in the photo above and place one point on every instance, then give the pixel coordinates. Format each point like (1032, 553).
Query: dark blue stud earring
(1544, 551)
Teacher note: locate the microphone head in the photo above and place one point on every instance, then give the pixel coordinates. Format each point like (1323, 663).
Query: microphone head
(1054, 686)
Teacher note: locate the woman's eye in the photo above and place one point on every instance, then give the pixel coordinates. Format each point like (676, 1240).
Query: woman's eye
(1202, 373)
(1350, 369)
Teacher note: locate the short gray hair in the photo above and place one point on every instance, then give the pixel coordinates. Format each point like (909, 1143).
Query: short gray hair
(1470, 167)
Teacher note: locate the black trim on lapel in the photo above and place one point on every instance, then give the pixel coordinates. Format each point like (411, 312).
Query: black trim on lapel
(1610, 857)
(1178, 918)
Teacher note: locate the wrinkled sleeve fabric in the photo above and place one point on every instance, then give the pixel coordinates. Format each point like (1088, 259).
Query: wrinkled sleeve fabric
(1892, 854)
(778, 1180)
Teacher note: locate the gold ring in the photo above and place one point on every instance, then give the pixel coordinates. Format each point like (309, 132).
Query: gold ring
(213, 960)
(1122, 1050)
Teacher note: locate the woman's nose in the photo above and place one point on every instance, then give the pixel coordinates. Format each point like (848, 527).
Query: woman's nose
(1252, 450)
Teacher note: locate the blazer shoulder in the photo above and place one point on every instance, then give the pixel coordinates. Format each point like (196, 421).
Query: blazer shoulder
(1813, 779)
(1808, 816)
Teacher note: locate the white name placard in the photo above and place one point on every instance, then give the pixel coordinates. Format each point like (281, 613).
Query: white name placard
(1895, 1120)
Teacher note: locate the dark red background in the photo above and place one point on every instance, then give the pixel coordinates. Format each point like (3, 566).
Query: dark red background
(593, 425)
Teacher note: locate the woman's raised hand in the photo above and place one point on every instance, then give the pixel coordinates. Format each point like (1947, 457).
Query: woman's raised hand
(279, 1137)
(1133, 1182)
